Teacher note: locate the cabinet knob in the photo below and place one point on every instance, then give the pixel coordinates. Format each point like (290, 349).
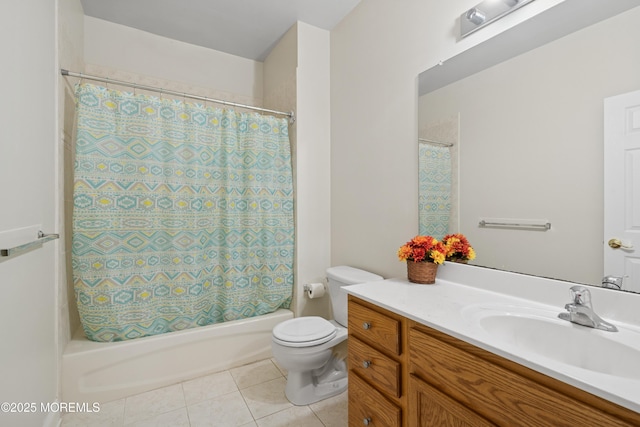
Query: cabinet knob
(366, 421)
(366, 325)
(366, 363)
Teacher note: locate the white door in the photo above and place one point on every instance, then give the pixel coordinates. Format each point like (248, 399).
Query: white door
(622, 188)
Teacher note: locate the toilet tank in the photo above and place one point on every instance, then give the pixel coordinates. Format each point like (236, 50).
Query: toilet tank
(343, 276)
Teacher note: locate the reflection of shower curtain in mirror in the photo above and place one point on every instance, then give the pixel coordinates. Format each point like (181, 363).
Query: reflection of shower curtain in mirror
(183, 215)
(434, 200)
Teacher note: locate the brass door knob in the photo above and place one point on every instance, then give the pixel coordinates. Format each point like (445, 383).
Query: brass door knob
(617, 244)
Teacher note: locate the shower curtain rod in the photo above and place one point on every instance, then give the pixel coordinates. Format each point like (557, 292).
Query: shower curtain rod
(430, 141)
(291, 114)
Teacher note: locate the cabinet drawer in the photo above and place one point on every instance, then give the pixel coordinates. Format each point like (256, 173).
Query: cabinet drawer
(497, 394)
(374, 327)
(369, 407)
(374, 366)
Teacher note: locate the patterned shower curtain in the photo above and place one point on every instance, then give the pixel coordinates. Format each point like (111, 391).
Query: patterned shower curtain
(183, 215)
(434, 199)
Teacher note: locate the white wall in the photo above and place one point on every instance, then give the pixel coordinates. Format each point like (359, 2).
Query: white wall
(376, 54)
(28, 196)
(70, 57)
(145, 54)
(313, 159)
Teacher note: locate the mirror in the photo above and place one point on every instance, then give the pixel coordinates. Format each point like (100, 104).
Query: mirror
(524, 111)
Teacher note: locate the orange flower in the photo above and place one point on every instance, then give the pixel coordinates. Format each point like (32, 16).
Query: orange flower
(423, 249)
(404, 252)
(458, 247)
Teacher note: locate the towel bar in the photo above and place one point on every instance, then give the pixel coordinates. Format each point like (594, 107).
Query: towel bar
(42, 238)
(542, 224)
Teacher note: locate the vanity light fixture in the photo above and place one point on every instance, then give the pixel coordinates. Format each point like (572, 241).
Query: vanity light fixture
(486, 12)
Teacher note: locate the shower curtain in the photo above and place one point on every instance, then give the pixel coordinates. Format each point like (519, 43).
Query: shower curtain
(183, 214)
(434, 199)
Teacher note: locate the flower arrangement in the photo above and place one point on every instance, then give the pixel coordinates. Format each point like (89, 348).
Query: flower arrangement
(458, 248)
(423, 249)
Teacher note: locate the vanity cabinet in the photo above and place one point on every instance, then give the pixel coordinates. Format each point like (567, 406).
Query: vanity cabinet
(478, 388)
(403, 373)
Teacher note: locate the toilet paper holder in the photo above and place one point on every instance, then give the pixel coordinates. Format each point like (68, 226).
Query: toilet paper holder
(314, 290)
(307, 287)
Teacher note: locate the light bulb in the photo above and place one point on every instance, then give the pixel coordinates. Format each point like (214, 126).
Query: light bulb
(475, 16)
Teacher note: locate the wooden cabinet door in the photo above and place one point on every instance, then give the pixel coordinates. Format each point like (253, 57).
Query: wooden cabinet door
(429, 407)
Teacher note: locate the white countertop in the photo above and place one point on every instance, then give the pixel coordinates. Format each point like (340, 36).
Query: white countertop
(445, 306)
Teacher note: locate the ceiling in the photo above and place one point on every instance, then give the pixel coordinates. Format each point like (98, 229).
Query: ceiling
(246, 28)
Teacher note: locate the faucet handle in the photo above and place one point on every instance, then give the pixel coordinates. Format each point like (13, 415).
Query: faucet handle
(581, 295)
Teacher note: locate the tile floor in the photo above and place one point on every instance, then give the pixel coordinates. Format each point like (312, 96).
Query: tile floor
(251, 396)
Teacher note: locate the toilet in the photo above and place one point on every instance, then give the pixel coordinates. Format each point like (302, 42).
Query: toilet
(304, 345)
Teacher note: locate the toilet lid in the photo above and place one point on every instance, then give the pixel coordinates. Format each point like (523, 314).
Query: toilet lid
(304, 331)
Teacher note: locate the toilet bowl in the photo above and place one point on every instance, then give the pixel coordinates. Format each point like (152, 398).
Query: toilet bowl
(304, 345)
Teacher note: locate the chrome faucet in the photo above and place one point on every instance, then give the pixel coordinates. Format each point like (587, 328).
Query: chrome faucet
(580, 311)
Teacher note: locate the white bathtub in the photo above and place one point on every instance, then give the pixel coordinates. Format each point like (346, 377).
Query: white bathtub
(101, 372)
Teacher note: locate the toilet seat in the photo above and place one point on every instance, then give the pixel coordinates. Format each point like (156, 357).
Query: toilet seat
(305, 331)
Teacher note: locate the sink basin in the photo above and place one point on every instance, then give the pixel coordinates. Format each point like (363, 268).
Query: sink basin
(540, 332)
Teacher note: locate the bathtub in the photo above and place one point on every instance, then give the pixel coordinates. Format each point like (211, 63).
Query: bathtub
(102, 372)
